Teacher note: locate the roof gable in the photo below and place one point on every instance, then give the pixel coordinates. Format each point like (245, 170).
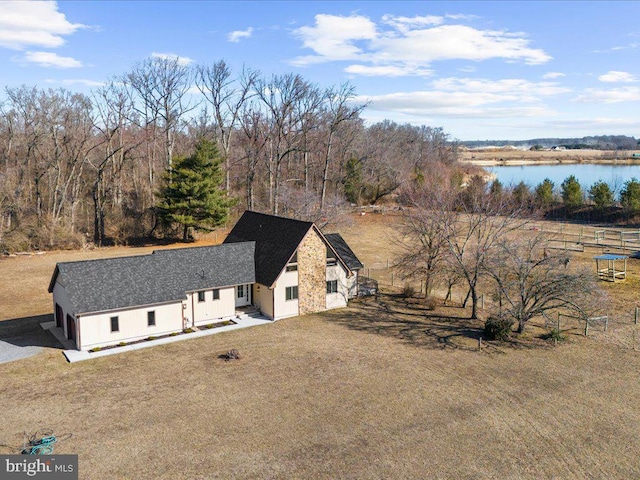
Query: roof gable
(344, 251)
(276, 239)
(160, 277)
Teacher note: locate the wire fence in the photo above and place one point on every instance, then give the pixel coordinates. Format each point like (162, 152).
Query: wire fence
(617, 326)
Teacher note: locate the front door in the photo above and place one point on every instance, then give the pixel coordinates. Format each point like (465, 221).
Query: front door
(243, 296)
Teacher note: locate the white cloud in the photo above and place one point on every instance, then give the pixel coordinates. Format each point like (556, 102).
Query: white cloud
(172, 56)
(37, 23)
(552, 75)
(388, 70)
(49, 60)
(524, 89)
(333, 37)
(470, 98)
(238, 35)
(76, 81)
(451, 105)
(614, 76)
(616, 95)
(412, 43)
(405, 24)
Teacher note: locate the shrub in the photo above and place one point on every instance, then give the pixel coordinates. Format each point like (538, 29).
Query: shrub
(408, 291)
(151, 338)
(96, 349)
(498, 327)
(555, 335)
(188, 330)
(173, 334)
(122, 344)
(430, 303)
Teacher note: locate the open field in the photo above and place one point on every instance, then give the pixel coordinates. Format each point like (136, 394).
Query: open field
(509, 156)
(377, 390)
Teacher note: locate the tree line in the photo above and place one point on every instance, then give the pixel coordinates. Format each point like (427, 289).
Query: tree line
(571, 196)
(89, 167)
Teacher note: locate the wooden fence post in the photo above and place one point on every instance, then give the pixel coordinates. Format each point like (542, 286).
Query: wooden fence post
(636, 316)
(606, 323)
(586, 327)
(482, 301)
(558, 323)
(392, 279)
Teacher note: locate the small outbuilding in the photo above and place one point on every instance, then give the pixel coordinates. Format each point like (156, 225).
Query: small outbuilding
(606, 267)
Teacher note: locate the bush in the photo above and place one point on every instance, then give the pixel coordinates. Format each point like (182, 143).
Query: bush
(188, 330)
(96, 349)
(498, 328)
(408, 291)
(555, 335)
(122, 344)
(430, 303)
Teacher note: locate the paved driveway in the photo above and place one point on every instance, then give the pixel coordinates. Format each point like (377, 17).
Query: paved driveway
(10, 349)
(23, 337)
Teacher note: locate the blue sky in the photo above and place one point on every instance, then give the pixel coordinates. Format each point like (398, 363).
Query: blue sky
(481, 70)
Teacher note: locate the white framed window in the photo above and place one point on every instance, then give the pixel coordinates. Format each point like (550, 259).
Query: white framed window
(292, 267)
(216, 294)
(332, 286)
(115, 324)
(240, 291)
(151, 318)
(200, 296)
(291, 293)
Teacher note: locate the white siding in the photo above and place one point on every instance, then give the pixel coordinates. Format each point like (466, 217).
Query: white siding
(352, 285)
(210, 310)
(283, 307)
(263, 299)
(60, 297)
(96, 329)
(339, 299)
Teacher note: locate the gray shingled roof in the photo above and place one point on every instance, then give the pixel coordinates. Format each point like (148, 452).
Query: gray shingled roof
(163, 276)
(277, 238)
(342, 248)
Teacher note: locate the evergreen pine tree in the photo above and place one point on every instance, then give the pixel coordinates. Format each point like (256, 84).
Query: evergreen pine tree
(192, 196)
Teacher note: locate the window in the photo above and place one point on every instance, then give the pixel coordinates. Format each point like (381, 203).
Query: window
(332, 286)
(151, 319)
(292, 293)
(240, 291)
(216, 294)
(292, 268)
(201, 296)
(114, 324)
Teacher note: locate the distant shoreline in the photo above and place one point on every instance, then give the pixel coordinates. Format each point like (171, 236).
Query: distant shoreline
(546, 161)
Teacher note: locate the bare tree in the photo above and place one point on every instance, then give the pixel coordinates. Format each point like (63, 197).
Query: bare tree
(422, 236)
(282, 97)
(473, 235)
(226, 95)
(532, 280)
(337, 111)
(161, 86)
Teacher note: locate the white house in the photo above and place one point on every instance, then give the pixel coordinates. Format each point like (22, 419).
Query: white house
(282, 267)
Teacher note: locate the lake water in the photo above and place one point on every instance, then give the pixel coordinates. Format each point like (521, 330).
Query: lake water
(586, 173)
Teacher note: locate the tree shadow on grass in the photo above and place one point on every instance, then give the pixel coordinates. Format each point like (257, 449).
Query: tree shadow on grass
(412, 323)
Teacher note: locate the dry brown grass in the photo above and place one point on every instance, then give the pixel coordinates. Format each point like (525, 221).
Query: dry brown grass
(378, 390)
(518, 157)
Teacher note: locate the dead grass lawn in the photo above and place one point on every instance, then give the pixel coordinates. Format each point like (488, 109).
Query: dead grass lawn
(378, 390)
